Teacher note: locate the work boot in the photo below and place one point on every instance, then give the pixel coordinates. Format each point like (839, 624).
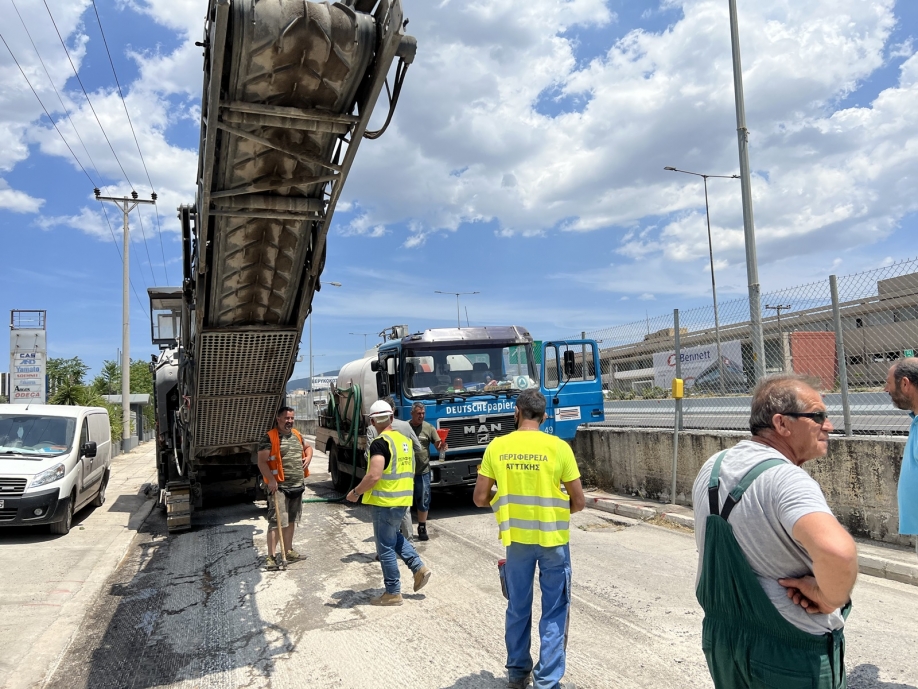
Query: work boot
(520, 683)
(422, 532)
(421, 577)
(293, 556)
(270, 562)
(387, 599)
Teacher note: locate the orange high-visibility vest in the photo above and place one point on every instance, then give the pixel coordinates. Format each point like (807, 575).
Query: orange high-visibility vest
(274, 460)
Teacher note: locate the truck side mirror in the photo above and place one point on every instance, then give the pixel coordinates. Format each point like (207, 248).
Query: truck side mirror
(382, 385)
(374, 366)
(89, 449)
(390, 366)
(569, 364)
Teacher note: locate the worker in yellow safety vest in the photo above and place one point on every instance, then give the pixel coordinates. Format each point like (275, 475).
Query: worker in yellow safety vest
(388, 487)
(533, 517)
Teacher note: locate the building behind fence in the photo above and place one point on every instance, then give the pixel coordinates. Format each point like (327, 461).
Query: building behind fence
(844, 339)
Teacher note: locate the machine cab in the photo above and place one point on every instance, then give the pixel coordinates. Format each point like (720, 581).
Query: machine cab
(571, 381)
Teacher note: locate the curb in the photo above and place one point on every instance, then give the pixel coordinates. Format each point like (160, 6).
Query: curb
(871, 565)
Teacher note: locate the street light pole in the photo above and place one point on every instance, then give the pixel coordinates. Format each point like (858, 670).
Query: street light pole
(779, 308)
(309, 395)
(458, 322)
(126, 205)
(364, 339)
(707, 213)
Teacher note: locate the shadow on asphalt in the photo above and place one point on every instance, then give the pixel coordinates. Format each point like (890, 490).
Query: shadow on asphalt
(479, 680)
(867, 676)
(179, 608)
(41, 533)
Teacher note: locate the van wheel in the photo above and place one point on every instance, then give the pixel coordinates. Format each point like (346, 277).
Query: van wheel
(63, 526)
(100, 496)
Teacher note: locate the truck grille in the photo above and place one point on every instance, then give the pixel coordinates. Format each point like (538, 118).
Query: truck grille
(12, 487)
(472, 432)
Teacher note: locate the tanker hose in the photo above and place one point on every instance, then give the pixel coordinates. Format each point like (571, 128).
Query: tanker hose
(351, 413)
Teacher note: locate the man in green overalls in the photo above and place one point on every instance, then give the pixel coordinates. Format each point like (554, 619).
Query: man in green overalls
(775, 568)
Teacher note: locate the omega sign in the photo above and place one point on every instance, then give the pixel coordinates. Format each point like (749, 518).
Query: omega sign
(483, 433)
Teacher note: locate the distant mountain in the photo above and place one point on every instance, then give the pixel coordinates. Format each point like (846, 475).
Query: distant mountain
(303, 383)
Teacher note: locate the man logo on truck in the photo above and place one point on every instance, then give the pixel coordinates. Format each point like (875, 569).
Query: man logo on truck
(484, 434)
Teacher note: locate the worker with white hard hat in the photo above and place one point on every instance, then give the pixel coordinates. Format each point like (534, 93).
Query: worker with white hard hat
(388, 487)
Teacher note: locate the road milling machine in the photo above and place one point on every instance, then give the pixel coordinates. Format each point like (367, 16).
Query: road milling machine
(289, 88)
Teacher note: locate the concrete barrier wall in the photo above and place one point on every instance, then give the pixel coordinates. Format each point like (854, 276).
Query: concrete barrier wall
(859, 476)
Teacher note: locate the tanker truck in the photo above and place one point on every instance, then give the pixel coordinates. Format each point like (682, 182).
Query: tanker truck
(468, 380)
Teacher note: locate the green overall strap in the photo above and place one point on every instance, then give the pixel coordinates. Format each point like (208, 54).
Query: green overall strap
(737, 493)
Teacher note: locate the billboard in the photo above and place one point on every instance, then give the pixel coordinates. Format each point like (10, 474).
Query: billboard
(28, 361)
(701, 363)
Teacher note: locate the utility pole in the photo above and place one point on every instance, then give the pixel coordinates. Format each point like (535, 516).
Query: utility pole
(126, 205)
(752, 266)
(779, 308)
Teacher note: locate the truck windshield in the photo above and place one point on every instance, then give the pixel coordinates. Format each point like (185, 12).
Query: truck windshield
(35, 435)
(468, 369)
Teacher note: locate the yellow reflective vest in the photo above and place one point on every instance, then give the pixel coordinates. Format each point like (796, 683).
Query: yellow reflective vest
(528, 468)
(396, 487)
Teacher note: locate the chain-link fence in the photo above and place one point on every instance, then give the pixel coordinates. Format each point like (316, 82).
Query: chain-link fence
(844, 334)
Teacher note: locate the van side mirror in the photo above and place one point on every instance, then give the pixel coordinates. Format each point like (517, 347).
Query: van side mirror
(569, 364)
(89, 449)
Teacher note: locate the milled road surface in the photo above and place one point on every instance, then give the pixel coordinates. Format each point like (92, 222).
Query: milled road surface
(198, 610)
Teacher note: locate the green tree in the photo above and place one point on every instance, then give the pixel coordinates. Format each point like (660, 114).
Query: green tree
(108, 382)
(65, 371)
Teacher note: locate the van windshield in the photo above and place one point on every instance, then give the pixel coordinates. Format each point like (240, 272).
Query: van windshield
(28, 436)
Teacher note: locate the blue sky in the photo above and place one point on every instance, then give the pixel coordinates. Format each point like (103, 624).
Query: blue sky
(525, 162)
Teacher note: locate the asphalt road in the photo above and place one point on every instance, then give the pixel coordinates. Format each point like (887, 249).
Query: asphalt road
(198, 610)
(871, 412)
(48, 583)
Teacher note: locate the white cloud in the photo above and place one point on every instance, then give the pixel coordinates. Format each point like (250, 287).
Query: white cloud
(468, 143)
(18, 201)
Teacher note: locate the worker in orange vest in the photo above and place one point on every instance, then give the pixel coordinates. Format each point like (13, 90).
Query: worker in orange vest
(283, 459)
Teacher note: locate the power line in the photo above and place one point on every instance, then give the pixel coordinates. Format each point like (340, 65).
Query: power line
(146, 246)
(83, 88)
(59, 98)
(143, 162)
(46, 111)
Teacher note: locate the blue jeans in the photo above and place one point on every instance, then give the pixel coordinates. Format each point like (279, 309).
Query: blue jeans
(389, 543)
(555, 582)
(422, 492)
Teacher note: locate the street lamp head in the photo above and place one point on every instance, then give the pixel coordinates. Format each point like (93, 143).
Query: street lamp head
(671, 169)
(335, 284)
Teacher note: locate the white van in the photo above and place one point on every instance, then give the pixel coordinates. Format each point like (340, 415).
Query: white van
(54, 460)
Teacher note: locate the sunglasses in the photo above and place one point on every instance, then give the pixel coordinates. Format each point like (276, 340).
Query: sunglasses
(819, 417)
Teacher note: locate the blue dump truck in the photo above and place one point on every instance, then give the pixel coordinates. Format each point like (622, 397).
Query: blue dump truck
(468, 379)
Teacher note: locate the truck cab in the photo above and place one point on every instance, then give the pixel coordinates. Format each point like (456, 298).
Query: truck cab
(468, 380)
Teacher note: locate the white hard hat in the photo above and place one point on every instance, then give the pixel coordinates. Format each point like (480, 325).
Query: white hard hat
(379, 409)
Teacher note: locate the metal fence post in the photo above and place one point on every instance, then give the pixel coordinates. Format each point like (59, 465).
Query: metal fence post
(677, 420)
(840, 355)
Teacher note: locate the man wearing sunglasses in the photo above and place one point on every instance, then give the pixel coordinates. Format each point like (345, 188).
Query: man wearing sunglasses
(775, 568)
(902, 386)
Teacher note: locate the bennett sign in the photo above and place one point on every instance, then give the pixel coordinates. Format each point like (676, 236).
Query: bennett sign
(695, 361)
